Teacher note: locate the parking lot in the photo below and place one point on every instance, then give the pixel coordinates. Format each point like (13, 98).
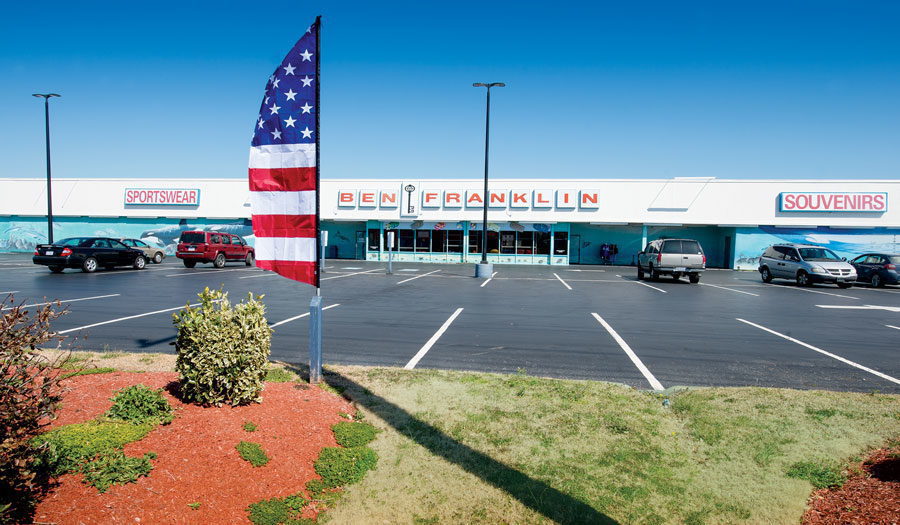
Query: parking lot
(584, 322)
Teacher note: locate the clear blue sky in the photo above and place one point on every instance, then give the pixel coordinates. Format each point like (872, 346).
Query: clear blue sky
(611, 90)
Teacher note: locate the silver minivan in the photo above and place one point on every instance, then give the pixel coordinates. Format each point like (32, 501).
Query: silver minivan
(806, 264)
(675, 257)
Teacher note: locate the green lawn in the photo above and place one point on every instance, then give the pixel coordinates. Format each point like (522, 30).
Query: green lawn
(483, 448)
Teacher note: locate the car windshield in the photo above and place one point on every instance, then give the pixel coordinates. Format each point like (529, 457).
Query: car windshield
(895, 259)
(74, 241)
(195, 237)
(818, 254)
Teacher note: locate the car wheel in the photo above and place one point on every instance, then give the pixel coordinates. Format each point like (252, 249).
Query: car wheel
(694, 278)
(139, 262)
(765, 274)
(249, 260)
(189, 264)
(640, 273)
(802, 279)
(157, 258)
(56, 269)
(654, 275)
(876, 281)
(89, 265)
(219, 262)
(844, 285)
(676, 276)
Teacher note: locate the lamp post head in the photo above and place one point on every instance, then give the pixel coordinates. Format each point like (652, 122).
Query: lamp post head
(490, 85)
(45, 95)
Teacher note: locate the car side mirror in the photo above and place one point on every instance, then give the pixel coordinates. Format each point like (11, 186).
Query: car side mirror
(843, 258)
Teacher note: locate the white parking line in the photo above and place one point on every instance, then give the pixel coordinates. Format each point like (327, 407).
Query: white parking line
(205, 272)
(125, 318)
(648, 286)
(892, 326)
(654, 383)
(863, 307)
(264, 274)
(730, 289)
(68, 300)
(488, 279)
(829, 354)
(301, 316)
(818, 291)
(564, 283)
(416, 277)
(349, 274)
(427, 346)
(10, 291)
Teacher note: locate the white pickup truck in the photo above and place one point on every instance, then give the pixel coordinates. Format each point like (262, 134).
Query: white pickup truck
(675, 257)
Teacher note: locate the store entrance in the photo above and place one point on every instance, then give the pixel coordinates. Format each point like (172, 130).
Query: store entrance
(575, 249)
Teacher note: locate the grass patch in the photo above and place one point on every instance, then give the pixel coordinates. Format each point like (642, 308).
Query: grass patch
(353, 434)
(276, 511)
(112, 355)
(530, 450)
(252, 452)
(822, 476)
(88, 371)
(344, 466)
(280, 375)
(250, 426)
(73, 446)
(115, 468)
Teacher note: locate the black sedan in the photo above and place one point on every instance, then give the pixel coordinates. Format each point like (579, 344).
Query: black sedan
(877, 269)
(88, 253)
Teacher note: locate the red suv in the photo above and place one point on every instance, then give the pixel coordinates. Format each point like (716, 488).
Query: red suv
(213, 247)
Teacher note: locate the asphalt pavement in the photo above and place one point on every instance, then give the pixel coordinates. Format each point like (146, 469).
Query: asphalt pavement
(581, 322)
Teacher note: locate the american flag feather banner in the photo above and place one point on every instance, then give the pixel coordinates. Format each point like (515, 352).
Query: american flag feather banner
(284, 176)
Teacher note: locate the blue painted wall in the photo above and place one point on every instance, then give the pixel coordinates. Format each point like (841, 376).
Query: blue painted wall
(846, 242)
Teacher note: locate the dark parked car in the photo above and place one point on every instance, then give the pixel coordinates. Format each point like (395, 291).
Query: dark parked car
(213, 247)
(87, 253)
(877, 269)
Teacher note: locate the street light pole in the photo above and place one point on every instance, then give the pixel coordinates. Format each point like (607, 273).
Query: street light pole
(46, 97)
(483, 269)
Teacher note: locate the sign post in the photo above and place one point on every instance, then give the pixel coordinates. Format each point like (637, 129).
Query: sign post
(315, 339)
(390, 248)
(322, 251)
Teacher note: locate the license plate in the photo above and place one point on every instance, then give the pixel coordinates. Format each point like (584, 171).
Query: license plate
(190, 248)
(680, 269)
(49, 252)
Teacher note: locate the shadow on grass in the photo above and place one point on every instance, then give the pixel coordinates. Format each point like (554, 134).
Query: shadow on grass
(534, 494)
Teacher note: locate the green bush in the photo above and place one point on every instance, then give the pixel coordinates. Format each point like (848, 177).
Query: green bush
(29, 397)
(140, 404)
(344, 466)
(276, 511)
(350, 434)
(115, 468)
(222, 351)
(71, 446)
(252, 452)
(821, 476)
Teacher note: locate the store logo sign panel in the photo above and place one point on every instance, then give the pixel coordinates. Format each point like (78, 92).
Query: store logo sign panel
(832, 202)
(412, 198)
(162, 197)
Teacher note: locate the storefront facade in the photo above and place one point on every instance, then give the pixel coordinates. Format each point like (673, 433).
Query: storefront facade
(560, 222)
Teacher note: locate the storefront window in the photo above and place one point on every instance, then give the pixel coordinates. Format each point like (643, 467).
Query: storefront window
(423, 240)
(475, 241)
(454, 241)
(561, 243)
(507, 242)
(493, 242)
(406, 238)
(525, 243)
(542, 243)
(439, 241)
(374, 245)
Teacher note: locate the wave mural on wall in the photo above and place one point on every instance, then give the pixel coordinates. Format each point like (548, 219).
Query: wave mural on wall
(846, 242)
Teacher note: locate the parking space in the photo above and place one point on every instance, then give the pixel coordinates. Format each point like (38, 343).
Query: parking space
(575, 322)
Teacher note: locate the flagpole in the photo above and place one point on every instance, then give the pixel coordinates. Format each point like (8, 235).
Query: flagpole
(315, 305)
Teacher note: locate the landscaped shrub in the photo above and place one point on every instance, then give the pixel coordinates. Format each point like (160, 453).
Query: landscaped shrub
(344, 466)
(252, 452)
(353, 434)
(115, 468)
(276, 511)
(141, 404)
(29, 397)
(222, 351)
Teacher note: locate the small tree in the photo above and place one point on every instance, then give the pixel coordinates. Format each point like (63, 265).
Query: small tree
(222, 351)
(29, 397)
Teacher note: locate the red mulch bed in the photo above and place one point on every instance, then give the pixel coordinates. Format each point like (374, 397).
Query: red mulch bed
(871, 496)
(197, 461)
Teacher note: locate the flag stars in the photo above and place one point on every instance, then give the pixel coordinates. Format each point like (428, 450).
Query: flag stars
(289, 123)
(275, 82)
(274, 109)
(290, 94)
(276, 135)
(306, 81)
(289, 69)
(260, 123)
(306, 107)
(306, 55)
(307, 133)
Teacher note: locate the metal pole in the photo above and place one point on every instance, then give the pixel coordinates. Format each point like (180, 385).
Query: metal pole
(487, 145)
(315, 339)
(315, 305)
